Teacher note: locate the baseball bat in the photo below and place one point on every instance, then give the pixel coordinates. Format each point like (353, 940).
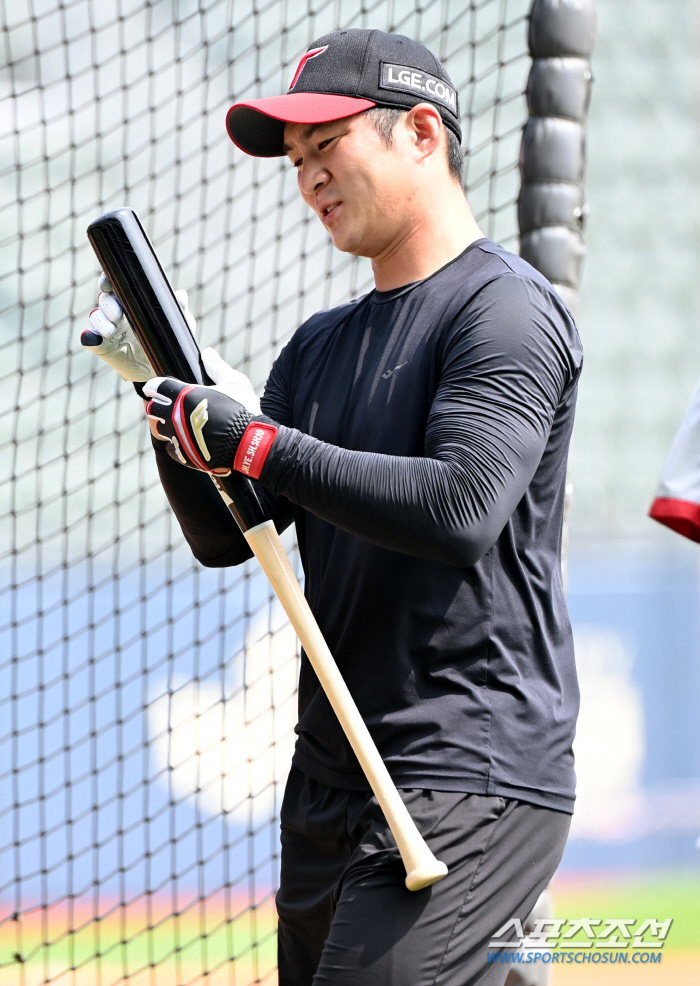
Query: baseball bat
(144, 292)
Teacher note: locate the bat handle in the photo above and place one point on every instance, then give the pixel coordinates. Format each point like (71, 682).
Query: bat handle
(240, 497)
(422, 868)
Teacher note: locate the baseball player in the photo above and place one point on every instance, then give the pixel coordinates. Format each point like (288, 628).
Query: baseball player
(418, 439)
(676, 502)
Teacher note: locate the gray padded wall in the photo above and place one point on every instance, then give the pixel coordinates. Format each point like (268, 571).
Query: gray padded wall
(551, 207)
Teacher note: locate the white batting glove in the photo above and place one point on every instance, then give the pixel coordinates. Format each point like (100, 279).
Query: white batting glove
(231, 382)
(112, 339)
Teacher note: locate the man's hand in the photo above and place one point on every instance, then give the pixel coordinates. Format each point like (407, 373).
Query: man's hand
(208, 429)
(229, 381)
(112, 339)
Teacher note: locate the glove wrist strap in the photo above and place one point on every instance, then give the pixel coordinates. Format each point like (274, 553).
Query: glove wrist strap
(254, 447)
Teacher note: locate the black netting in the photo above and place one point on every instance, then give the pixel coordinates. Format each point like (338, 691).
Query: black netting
(147, 704)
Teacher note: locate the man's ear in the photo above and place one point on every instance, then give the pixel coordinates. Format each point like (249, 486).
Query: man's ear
(426, 125)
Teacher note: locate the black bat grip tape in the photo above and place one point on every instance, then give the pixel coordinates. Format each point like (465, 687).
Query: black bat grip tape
(144, 292)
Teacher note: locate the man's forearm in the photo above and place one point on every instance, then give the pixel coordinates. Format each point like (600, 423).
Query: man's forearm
(207, 524)
(447, 510)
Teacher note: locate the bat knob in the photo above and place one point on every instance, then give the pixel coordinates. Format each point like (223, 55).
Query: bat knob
(429, 872)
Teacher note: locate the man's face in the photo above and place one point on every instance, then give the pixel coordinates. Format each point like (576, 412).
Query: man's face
(360, 189)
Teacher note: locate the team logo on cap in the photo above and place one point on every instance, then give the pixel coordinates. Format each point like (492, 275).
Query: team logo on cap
(312, 53)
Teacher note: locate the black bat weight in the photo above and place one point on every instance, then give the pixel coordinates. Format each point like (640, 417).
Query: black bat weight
(139, 282)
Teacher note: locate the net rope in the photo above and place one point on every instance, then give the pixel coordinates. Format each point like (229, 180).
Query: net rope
(147, 705)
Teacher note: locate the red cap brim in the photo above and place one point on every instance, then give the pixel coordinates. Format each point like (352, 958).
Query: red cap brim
(257, 126)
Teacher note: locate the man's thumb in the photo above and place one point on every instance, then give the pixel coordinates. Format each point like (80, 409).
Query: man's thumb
(216, 367)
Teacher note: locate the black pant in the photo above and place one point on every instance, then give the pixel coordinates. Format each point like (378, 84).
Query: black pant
(345, 915)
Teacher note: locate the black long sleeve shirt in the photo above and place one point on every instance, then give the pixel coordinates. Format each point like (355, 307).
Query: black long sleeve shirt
(422, 455)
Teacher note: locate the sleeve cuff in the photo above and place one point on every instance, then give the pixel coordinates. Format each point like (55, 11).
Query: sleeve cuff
(681, 516)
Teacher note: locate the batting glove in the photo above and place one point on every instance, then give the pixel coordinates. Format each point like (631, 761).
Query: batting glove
(230, 381)
(207, 429)
(112, 339)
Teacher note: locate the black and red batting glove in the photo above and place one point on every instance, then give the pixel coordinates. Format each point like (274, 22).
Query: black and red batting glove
(208, 430)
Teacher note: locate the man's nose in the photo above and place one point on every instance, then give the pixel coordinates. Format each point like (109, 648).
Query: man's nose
(312, 180)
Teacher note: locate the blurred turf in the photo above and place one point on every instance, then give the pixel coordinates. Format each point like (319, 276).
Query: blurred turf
(191, 943)
(42, 946)
(656, 895)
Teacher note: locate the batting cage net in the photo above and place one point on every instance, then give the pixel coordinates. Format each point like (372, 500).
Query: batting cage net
(147, 705)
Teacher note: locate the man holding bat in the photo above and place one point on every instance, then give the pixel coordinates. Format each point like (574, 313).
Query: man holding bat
(418, 438)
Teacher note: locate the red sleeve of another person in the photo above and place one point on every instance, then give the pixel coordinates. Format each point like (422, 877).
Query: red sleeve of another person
(677, 500)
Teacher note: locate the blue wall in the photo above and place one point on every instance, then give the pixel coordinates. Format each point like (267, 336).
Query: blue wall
(651, 601)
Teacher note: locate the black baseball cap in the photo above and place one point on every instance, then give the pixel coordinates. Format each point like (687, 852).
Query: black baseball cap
(342, 74)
